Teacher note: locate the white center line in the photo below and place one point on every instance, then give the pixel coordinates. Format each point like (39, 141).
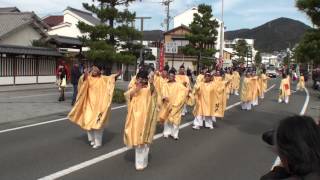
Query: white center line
(47, 122)
(114, 153)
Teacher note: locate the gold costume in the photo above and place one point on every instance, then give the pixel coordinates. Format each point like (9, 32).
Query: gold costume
(92, 108)
(141, 118)
(246, 90)
(301, 83)
(285, 88)
(210, 98)
(235, 80)
(177, 95)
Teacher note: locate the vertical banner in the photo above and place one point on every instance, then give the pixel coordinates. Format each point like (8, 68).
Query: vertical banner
(161, 59)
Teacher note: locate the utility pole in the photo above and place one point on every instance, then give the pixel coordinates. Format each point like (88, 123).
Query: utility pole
(167, 4)
(141, 40)
(222, 31)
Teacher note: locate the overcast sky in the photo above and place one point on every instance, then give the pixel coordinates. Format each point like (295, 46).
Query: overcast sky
(238, 13)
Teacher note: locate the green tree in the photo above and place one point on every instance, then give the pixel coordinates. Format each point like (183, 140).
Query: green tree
(308, 48)
(113, 34)
(241, 49)
(258, 59)
(311, 8)
(203, 36)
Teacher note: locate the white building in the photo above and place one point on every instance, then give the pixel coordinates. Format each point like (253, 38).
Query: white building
(71, 17)
(269, 59)
(186, 18)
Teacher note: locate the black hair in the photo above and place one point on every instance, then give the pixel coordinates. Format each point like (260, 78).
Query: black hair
(297, 140)
(166, 68)
(143, 74)
(284, 75)
(172, 71)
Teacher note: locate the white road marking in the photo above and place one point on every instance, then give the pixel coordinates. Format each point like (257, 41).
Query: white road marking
(277, 162)
(98, 159)
(47, 122)
(38, 95)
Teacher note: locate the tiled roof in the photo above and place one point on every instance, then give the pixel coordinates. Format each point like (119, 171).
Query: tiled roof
(154, 35)
(85, 15)
(66, 40)
(12, 21)
(9, 9)
(53, 20)
(11, 49)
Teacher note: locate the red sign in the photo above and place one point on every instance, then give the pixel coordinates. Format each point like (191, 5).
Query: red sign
(161, 59)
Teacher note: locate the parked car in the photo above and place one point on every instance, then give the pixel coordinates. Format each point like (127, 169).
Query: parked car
(271, 72)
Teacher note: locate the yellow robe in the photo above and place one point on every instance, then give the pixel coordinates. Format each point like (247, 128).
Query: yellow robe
(256, 87)
(200, 78)
(92, 108)
(132, 82)
(177, 95)
(141, 119)
(235, 80)
(263, 83)
(228, 78)
(211, 99)
(301, 83)
(285, 88)
(183, 79)
(246, 94)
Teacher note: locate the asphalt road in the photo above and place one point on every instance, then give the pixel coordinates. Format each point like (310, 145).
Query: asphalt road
(233, 150)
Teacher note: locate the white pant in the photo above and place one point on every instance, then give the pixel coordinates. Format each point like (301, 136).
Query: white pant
(246, 106)
(171, 129)
(286, 100)
(142, 154)
(185, 110)
(95, 136)
(255, 102)
(208, 121)
(236, 92)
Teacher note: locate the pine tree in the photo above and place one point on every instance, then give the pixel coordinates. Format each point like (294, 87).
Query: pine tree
(111, 41)
(241, 49)
(203, 36)
(308, 49)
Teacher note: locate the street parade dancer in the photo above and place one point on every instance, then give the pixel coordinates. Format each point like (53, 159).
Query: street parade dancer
(91, 110)
(285, 90)
(174, 96)
(183, 79)
(141, 119)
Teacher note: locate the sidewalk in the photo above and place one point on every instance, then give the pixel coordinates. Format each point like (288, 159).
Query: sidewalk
(119, 84)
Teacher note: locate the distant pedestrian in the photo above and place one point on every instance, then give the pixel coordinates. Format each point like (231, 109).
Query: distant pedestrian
(75, 76)
(62, 81)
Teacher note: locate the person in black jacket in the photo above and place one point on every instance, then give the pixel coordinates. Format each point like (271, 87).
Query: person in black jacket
(298, 145)
(75, 76)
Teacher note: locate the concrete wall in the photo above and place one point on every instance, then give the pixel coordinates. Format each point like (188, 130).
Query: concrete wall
(46, 79)
(22, 37)
(26, 79)
(6, 80)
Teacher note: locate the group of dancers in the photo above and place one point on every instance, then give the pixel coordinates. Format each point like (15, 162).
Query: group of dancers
(161, 98)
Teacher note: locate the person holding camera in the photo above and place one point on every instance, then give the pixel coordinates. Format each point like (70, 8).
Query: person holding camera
(297, 143)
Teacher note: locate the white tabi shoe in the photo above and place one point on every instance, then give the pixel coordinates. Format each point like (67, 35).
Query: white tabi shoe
(96, 146)
(196, 127)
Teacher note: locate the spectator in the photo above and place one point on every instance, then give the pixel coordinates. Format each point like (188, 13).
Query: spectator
(298, 145)
(75, 76)
(62, 81)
